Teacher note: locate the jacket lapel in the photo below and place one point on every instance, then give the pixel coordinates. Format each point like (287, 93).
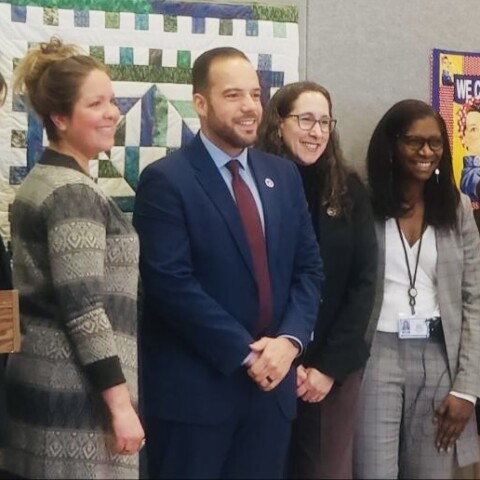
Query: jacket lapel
(214, 186)
(443, 276)
(377, 305)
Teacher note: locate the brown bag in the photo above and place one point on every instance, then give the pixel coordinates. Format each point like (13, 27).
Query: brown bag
(9, 321)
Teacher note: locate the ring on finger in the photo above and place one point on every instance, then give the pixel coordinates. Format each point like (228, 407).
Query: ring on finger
(269, 379)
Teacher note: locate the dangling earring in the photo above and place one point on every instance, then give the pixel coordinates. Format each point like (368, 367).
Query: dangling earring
(437, 173)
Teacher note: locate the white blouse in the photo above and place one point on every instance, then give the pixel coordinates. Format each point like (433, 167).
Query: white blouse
(396, 281)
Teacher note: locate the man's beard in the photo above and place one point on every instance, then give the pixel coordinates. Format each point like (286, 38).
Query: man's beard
(228, 134)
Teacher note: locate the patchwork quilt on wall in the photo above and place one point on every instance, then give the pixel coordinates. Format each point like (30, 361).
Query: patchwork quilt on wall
(149, 46)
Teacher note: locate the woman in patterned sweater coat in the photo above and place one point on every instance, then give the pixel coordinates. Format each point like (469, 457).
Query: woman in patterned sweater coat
(73, 388)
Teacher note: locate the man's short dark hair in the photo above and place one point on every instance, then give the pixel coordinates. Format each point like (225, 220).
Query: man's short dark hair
(201, 66)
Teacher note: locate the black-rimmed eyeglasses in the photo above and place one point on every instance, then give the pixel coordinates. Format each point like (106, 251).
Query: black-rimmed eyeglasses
(415, 142)
(307, 122)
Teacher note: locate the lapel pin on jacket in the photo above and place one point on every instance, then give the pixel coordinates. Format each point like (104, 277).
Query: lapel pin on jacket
(331, 212)
(269, 183)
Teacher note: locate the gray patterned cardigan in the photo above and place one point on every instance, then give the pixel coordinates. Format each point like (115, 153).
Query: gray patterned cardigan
(75, 262)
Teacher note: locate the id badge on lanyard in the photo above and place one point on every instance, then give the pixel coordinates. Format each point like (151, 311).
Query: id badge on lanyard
(413, 327)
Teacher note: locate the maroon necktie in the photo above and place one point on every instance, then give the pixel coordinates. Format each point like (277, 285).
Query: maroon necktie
(256, 241)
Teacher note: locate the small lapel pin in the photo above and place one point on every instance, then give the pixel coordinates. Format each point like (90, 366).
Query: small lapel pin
(331, 212)
(269, 182)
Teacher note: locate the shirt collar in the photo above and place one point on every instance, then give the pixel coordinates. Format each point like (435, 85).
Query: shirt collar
(221, 158)
(57, 159)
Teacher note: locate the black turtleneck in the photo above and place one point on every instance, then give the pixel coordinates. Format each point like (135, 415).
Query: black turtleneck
(312, 185)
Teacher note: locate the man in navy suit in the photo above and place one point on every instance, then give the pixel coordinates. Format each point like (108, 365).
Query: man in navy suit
(219, 391)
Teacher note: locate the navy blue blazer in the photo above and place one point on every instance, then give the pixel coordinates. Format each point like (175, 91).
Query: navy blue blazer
(200, 296)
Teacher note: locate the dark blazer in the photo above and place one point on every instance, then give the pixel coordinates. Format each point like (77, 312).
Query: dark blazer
(200, 296)
(349, 252)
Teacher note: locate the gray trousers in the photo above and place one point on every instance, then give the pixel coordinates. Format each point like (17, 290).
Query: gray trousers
(404, 381)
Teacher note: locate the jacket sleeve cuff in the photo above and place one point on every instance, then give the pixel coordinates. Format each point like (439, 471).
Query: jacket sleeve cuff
(464, 396)
(336, 364)
(105, 373)
(295, 342)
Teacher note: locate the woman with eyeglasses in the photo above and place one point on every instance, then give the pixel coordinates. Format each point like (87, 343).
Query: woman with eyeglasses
(416, 415)
(298, 124)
